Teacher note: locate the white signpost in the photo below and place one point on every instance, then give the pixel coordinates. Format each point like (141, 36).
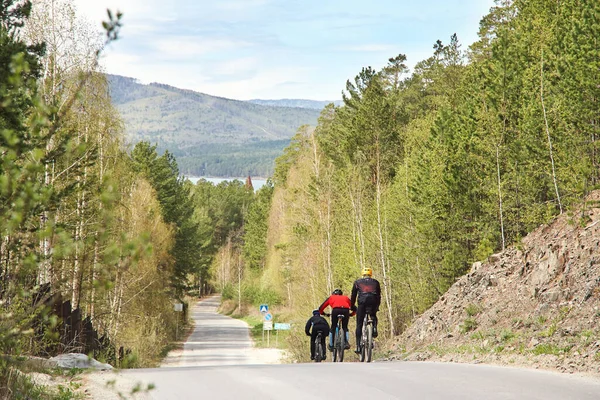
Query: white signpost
(267, 323)
(178, 307)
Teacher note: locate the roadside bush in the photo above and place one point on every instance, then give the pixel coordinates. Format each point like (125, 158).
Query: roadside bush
(256, 295)
(228, 292)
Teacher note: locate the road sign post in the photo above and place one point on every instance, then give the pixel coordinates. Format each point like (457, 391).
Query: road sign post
(267, 323)
(178, 307)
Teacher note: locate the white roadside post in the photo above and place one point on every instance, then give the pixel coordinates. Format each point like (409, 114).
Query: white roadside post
(178, 307)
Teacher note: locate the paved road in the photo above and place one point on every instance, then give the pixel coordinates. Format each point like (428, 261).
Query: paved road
(397, 380)
(217, 340)
(205, 370)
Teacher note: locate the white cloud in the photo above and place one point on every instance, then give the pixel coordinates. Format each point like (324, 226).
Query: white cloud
(189, 47)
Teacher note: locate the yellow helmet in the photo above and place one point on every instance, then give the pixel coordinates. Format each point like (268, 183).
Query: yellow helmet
(367, 272)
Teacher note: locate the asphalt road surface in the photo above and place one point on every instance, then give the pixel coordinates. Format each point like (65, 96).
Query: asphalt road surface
(218, 363)
(218, 340)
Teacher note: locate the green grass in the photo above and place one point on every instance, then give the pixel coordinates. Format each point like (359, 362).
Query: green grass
(472, 310)
(548, 348)
(468, 325)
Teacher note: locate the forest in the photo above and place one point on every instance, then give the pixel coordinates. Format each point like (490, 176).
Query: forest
(417, 174)
(97, 242)
(421, 173)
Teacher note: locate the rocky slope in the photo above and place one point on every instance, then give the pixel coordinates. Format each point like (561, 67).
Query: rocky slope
(535, 304)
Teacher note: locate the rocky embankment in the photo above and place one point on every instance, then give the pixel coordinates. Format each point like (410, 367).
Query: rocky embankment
(535, 304)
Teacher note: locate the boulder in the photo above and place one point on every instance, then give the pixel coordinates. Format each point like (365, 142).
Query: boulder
(78, 360)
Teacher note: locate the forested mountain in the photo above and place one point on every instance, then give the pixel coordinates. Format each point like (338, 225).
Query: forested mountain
(302, 103)
(208, 135)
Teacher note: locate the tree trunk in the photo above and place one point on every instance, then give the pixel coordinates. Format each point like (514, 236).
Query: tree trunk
(548, 132)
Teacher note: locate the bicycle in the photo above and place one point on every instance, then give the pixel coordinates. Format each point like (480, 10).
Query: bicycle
(339, 340)
(366, 339)
(319, 350)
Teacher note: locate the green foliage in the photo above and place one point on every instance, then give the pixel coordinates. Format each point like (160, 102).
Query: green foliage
(256, 295)
(174, 196)
(256, 225)
(420, 174)
(228, 292)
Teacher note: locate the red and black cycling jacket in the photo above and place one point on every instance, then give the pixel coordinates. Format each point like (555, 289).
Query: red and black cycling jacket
(335, 301)
(366, 290)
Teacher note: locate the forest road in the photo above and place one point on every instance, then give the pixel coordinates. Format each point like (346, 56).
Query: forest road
(218, 362)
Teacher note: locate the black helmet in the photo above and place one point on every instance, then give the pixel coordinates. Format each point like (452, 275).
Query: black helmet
(338, 291)
(316, 312)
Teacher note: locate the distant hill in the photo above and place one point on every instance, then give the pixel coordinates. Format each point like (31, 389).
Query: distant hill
(300, 103)
(209, 136)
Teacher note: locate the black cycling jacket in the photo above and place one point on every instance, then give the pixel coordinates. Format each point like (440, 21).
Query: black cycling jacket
(318, 323)
(366, 288)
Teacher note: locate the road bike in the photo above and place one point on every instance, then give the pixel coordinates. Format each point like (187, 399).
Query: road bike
(319, 350)
(366, 340)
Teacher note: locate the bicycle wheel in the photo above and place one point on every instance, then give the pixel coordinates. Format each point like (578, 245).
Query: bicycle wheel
(335, 352)
(341, 346)
(363, 341)
(369, 343)
(318, 349)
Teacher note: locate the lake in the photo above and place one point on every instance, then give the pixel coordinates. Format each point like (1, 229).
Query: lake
(256, 183)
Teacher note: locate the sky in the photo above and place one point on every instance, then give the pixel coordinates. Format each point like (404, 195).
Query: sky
(275, 49)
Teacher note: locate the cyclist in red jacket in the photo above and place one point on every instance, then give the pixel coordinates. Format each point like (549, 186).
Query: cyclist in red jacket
(339, 304)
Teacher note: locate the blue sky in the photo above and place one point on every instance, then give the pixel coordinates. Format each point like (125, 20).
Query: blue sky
(273, 49)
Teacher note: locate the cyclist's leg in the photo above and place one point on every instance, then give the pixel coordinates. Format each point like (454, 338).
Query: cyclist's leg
(334, 322)
(346, 313)
(374, 315)
(360, 316)
(313, 337)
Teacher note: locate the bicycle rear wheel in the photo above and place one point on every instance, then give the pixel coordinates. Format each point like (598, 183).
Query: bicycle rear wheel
(340, 345)
(369, 343)
(318, 350)
(363, 341)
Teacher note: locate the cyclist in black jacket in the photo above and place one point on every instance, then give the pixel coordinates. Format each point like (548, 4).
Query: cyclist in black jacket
(368, 292)
(318, 323)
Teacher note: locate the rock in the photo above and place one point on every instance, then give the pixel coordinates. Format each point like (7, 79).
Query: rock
(78, 360)
(494, 258)
(533, 342)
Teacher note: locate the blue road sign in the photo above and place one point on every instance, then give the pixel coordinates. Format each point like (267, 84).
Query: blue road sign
(264, 308)
(268, 316)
